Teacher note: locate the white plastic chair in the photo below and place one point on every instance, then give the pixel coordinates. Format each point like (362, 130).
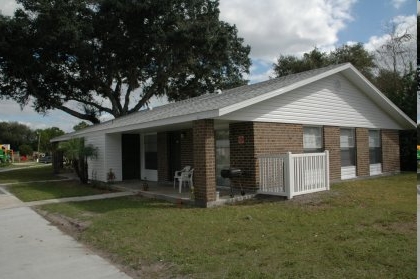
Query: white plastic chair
(178, 174)
(184, 176)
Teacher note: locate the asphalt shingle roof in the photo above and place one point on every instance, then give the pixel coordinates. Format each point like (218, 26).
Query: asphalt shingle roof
(207, 102)
(214, 101)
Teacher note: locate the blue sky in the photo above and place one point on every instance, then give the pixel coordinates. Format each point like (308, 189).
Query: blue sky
(370, 17)
(271, 28)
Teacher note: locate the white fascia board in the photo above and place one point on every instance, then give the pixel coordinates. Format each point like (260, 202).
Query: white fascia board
(108, 129)
(280, 91)
(167, 121)
(65, 137)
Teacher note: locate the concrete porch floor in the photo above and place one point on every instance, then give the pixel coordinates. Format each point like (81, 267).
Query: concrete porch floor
(166, 191)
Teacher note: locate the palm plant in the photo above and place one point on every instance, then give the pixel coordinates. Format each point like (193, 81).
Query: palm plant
(78, 153)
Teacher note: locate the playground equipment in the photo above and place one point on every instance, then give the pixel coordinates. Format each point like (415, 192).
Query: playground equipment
(6, 154)
(418, 152)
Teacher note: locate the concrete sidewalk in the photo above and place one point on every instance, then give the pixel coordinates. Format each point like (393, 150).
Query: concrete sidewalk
(7, 200)
(30, 247)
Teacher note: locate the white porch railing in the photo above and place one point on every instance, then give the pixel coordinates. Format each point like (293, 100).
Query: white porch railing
(294, 174)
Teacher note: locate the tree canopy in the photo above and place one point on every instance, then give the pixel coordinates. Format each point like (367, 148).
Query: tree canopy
(45, 135)
(88, 57)
(355, 54)
(16, 134)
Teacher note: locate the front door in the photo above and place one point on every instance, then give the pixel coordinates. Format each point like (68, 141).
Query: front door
(130, 149)
(174, 154)
(149, 157)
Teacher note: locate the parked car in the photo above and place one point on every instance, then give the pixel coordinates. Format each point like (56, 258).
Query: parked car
(45, 160)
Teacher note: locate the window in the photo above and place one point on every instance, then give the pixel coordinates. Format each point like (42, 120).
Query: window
(150, 152)
(312, 139)
(348, 154)
(222, 156)
(375, 150)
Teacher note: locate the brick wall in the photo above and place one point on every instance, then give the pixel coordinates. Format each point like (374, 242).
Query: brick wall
(163, 167)
(204, 161)
(362, 152)
(332, 144)
(187, 156)
(260, 138)
(390, 151)
(241, 139)
(276, 138)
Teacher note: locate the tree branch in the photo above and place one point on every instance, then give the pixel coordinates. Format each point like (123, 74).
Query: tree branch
(99, 107)
(74, 113)
(127, 99)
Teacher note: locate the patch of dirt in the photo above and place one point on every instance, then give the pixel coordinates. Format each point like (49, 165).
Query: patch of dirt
(75, 228)
(70, 226)
(397, 227)
(319, 199)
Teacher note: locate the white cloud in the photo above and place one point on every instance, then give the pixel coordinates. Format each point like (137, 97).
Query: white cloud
(7, 7)
(272, 27)
(398, 3)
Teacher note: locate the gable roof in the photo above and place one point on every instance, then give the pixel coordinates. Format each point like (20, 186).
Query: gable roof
(215, 105)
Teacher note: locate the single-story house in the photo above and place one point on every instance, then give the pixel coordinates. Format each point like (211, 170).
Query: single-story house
(333, 108)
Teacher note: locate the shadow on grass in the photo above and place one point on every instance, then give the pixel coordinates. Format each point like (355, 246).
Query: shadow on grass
(122, 203)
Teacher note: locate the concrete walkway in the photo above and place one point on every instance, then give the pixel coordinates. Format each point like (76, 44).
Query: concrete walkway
(30, 247)
(7, 200)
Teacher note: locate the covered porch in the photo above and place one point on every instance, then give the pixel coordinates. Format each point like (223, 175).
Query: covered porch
(153, 154)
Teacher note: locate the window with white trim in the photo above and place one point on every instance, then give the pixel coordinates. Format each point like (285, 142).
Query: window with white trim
(375, 150)
(312, 139)
(348, 152)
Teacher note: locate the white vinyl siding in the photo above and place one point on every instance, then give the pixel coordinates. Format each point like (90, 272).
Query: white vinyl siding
(109, 156)
(375, 169)
(348, 172)
(96, 166)
(332, 101)
(113, 155)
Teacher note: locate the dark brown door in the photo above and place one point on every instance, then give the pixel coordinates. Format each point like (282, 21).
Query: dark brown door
(130, 149)
(174, 154)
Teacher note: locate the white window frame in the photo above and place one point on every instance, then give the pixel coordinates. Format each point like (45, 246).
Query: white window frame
(348, 143)
(313, 139)
(375, 145)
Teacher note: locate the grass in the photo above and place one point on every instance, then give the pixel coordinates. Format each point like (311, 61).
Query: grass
(51, 190)
(27, 190)
(43, 172)
(359, 229)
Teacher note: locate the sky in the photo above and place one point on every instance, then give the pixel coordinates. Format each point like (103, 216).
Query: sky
(271, 28)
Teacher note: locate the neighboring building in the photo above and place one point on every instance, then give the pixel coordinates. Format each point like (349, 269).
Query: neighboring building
(333, 108)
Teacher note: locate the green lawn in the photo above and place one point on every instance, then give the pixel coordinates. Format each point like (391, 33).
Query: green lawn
(27, 190)
(359, 229)
(43, 172)
(51, 190)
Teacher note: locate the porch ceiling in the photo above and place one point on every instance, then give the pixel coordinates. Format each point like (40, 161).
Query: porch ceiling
(164, 128)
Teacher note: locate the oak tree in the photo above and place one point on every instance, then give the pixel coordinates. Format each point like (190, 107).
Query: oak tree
(89, 57)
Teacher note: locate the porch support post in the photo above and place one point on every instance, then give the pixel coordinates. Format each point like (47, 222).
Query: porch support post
(204, 162)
